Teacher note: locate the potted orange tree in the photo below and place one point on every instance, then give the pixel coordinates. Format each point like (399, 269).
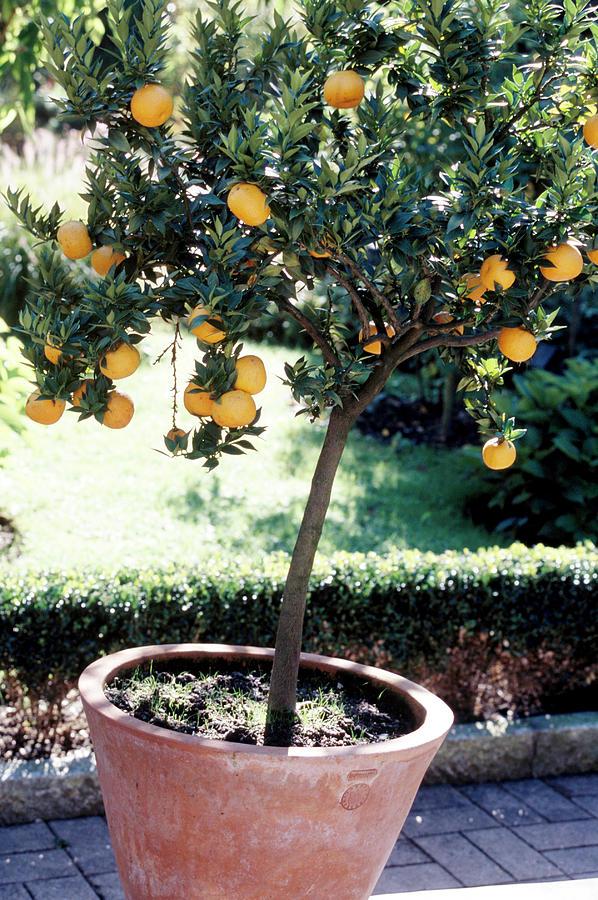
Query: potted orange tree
(396, 179)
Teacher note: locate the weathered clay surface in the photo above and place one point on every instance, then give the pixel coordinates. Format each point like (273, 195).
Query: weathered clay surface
(210, 820)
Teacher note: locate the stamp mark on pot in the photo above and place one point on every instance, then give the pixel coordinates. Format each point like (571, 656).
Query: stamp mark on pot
(355, 795)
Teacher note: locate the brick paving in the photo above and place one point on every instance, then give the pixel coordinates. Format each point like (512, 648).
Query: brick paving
(516, 832)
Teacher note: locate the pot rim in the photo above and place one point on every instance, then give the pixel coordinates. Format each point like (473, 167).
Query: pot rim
(434, 715)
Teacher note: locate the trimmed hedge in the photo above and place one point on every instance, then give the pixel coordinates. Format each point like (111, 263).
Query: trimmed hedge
(407, 607)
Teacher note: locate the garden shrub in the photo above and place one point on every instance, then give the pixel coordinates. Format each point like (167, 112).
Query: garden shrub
(404, 609)
(551, 494)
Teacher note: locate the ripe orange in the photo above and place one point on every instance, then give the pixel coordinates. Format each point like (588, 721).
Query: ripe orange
(175, 433)
(120, 362)
(323, 253)
(44, 410)
(375, 347)
(251, 375)
(74, 239)
(517, 344)
(234, 409)
(499, 453)
(494, 271)
(567, 263)
(196, 401)
(120, 410)
(104, 258)
(593, 256)
(344, 90)
(475, 288)
(443, 318)
(248, 203)
(590, 131)
(80, 391)
(205, 331)
(52, 349)
(151, 105)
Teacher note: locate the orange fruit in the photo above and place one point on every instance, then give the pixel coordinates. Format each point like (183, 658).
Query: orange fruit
(52, 349)
(443, 318)
(567, 263)
(234, 409)
(44, 410)
(80, 391)
(248, 203)
(74, 239)
(196, 401)
(499, 453)
(151, 105)
(590, 131)
(375, 347)
(104, 258)
(120, 362)
(593, 256)
(175, 433)
(120, 410)
(517, 344)
(205, 331)
(251, 375)
(323, 253)
(494, 270)
(475, 288)
(344, 89)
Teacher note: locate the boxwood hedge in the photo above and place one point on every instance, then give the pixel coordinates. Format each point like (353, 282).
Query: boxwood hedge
(407, 606)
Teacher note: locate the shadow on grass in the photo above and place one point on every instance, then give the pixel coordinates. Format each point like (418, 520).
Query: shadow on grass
(403, 496)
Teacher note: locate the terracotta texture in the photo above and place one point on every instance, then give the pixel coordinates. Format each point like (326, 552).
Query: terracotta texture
(195, 819)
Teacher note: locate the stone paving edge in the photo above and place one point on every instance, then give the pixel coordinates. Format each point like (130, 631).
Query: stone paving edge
(67, 787)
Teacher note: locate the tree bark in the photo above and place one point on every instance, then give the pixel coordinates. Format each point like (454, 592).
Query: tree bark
(283, 685)
(282, 699)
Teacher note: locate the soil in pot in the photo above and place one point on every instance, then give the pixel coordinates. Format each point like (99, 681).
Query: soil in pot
(229, 703)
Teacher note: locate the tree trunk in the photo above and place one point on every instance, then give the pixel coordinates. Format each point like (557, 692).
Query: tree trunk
(283, 685)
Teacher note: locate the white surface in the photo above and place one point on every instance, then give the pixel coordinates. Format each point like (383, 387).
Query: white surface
(582, 889)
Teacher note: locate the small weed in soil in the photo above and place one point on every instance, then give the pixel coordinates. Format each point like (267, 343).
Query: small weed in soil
(230, 705)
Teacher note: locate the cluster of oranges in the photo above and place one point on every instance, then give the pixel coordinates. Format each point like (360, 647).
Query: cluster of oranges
(118, 362)
(235, 408)
(151, 106)
(518, 344)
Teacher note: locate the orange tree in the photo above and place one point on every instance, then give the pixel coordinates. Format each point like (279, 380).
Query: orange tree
(289, 181)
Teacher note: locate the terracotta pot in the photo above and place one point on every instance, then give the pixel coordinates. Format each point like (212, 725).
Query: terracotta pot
(199, 819)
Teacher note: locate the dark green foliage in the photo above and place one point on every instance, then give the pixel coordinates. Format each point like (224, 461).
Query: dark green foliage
(408, 607)
(551, 493)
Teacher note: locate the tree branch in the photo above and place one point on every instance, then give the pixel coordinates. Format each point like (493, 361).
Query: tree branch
(447, 340)
(544, 288)
(537, 95)
(379, 296)
(307, 324)
(359, 307)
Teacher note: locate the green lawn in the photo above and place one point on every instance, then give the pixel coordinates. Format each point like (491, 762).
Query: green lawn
(84, 495)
